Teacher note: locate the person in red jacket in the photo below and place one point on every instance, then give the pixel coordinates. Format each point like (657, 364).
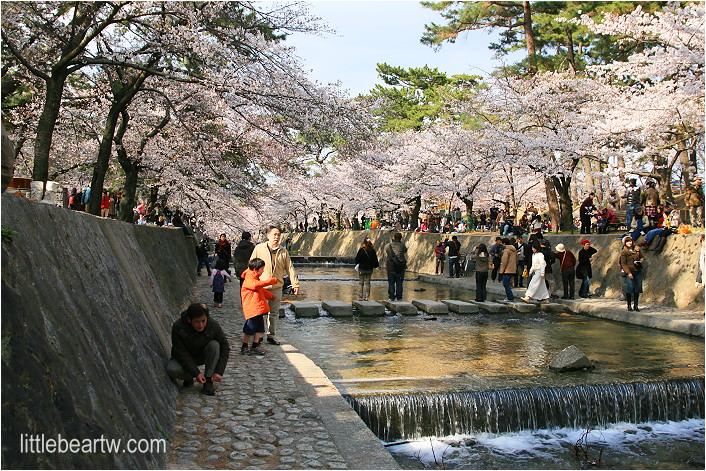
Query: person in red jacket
(254, 296)
(568, 270)
(105, 204)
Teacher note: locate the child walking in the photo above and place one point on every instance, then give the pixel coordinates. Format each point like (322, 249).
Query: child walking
(254, 298)
(219, 276)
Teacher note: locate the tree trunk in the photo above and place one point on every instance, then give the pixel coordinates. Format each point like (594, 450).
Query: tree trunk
(685, 162)
(416, 208)
(45, 127)
(563, 188)
(467, 201)
(590, 182)
(529, 36)
(132, 173)
(101, 167)
(552, 202)
(570, 51)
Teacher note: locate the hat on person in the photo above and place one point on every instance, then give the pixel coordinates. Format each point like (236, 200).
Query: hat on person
(585, 241)
(560, 248)
(626, 238)
(246, 235)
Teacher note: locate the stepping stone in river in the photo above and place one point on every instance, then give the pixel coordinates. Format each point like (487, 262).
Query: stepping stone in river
(305, 309)
(521, 306)
(489, 306)
(369, 308)
(460, 307)
(431, 307)
(337, 308)
(401, 307)
(554, 308)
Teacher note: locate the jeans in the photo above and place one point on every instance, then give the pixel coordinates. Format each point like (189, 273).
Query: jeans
(395, 280)
(481, 281)
(506, 284)
(454, 267)
(629, 213)
(364, 277)
(585, 285)
(203, 261)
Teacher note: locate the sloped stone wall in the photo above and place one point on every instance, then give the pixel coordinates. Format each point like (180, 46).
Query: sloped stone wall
(669, 277)
(87, 308)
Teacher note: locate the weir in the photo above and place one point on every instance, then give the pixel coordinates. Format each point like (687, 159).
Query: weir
(412, 416)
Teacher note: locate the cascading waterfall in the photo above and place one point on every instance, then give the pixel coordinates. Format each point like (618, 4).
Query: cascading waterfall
(413, 416)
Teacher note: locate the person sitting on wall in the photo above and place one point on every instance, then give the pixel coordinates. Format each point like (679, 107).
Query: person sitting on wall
(198, 340)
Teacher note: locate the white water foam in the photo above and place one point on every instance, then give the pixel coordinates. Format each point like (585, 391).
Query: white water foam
(539, 445)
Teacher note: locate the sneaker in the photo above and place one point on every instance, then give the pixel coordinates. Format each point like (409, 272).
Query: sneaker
(245, 350)
(208, 388)
(188, 382)
(257, 350)
(272, 340)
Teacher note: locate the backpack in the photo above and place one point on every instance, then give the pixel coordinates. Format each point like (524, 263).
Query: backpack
(219, 282)
(398, 262)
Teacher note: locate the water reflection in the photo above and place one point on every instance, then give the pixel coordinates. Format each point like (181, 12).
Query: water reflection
(472, 352)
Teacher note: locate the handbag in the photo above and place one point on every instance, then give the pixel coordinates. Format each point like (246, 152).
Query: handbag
(357, 267)
(525, 273)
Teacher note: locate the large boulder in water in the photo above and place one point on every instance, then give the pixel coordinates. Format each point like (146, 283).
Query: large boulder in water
(569, 359)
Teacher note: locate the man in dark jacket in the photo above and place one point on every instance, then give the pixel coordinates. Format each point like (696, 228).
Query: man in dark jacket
(396, 266)
(202, 255)
(454, 251)
(198, 340)
(241, 255)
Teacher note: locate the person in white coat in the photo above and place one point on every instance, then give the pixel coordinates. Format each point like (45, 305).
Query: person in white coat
(537, 288)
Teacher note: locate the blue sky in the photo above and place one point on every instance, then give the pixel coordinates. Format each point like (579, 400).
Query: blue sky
(369, 32)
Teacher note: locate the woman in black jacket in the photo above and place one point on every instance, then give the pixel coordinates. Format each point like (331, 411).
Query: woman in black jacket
(366, 261)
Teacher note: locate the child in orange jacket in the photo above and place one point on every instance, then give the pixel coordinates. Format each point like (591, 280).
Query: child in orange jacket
(254, 298)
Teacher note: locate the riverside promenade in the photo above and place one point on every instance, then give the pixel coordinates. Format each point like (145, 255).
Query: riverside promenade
(277, 411)
(684, 321)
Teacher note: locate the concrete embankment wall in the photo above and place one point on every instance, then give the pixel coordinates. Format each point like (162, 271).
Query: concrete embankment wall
(669, 276)
(87, 308)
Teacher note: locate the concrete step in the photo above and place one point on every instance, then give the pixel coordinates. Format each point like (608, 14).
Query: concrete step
(460, 307)
(431, 307)
(489, 306)
(521, 306)
(305, 309)
(554, 308)
(337, 308)
(369, 308)
(401, 307)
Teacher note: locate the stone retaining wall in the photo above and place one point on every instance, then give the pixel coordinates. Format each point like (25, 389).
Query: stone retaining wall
(669, 276)
(87, 308)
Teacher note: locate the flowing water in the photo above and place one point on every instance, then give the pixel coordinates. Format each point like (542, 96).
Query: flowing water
(478, 388)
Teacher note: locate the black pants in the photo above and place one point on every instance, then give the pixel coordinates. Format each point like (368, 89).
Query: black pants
(218, 298)
(496, 267)
(395, 280)
(567, 278)
(481, 281)
(586, 225)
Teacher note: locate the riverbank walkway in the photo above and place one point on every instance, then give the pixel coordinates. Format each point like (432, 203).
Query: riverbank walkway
(277, 411)
(684, 321)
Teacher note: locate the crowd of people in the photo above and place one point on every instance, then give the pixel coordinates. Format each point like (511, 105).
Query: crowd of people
(642, 205)
(262, 271)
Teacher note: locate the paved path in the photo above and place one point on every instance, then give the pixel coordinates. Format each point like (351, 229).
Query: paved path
(683, 321)
(277, 411)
